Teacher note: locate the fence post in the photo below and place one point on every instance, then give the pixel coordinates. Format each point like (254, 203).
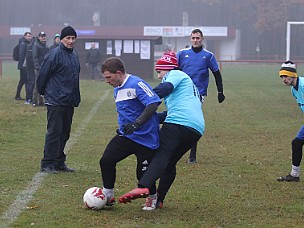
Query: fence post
(0, 68)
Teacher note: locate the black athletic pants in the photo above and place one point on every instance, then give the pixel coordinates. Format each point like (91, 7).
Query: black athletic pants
(175, 141)
(119, 148)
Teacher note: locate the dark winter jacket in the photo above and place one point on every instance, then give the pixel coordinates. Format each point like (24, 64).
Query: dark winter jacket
(54, 45)
(29, 56)
(58, 78)
(93, 56)
(39, 51)
(22, 51)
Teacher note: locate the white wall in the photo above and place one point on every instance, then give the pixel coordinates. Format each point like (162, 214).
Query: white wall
(230, 48)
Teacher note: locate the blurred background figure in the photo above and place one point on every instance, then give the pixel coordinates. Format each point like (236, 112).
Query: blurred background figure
(93, 62)
(23, 42)
(56, 41)
(30, 72)
(39, 51)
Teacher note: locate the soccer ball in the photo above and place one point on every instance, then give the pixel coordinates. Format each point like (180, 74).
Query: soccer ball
(94, 198)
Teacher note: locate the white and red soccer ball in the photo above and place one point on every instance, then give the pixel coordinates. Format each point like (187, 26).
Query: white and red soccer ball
(94, 198)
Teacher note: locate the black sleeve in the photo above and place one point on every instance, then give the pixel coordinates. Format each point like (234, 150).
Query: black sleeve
(218, 81)
(22, 54)
(163, 89)
(147, 114)
(36, 57)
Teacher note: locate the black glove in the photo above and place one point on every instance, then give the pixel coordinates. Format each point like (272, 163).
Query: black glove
(161, 116)
(220, 97)
(129, 128)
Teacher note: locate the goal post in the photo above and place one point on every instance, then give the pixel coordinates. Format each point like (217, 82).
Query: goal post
(289, 23)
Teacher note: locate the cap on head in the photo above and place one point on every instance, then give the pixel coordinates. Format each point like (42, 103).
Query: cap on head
(167, 62)
(41, 34)
(288, 69)
(56, 35)
(67, 31)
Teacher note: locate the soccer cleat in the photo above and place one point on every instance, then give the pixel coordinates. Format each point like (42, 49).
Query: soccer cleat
(159, 205)
(289, 178)
(110, 202)
(134, 194)
(151, 203)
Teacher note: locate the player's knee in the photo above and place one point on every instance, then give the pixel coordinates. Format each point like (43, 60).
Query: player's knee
(297, 143)
(105, 161)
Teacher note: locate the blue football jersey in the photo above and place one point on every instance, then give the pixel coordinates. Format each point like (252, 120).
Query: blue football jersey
(131, 98)
(197, 66)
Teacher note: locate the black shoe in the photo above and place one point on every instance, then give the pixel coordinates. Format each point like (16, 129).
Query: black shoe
(50, 170)
(18, 98)
(191, 160)
(289, 178)
(65, 169)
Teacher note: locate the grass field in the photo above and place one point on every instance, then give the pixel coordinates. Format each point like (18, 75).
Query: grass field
(246, 146)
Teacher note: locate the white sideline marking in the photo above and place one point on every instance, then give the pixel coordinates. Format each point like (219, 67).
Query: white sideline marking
(22, 199)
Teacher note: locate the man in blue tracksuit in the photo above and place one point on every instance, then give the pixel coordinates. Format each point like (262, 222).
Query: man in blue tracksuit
(183, 126)
(289, 75)
(196, 61)
(58, 81)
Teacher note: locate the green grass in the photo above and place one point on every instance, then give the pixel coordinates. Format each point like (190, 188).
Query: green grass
(246, 146)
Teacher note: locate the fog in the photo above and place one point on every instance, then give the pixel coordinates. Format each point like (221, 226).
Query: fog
(260, 22)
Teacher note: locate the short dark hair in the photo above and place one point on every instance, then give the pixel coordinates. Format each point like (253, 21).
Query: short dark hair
(113, 64)
(26, 33)
(197, 31)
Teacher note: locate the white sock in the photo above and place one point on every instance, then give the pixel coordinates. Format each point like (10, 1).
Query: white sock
(108, 192)
(153, 196)
(295, 171)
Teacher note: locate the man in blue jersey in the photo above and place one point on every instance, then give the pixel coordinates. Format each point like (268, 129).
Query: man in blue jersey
(289, 75)
(138, 132)
(183, 126)
(196, 62)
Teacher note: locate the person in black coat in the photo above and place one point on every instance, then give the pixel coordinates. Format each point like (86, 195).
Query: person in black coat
(39, 51)
(23, 42)
(93, 61)
(30, 72)
(58, 82)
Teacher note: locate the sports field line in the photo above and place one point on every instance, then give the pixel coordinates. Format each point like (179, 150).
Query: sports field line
(22, 199)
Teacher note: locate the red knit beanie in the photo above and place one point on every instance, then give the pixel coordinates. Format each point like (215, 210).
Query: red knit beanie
(167, 62)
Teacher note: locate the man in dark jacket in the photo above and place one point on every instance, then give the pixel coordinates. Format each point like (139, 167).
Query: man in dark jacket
(93, 61)
(56, 41)
(39, 51)
(23, 42)
(30, 72)
(58, 81)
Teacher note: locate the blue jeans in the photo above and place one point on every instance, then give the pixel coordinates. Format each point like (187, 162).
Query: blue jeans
(59, 121)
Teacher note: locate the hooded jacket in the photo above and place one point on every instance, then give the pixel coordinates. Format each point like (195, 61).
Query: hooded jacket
(22, 51)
